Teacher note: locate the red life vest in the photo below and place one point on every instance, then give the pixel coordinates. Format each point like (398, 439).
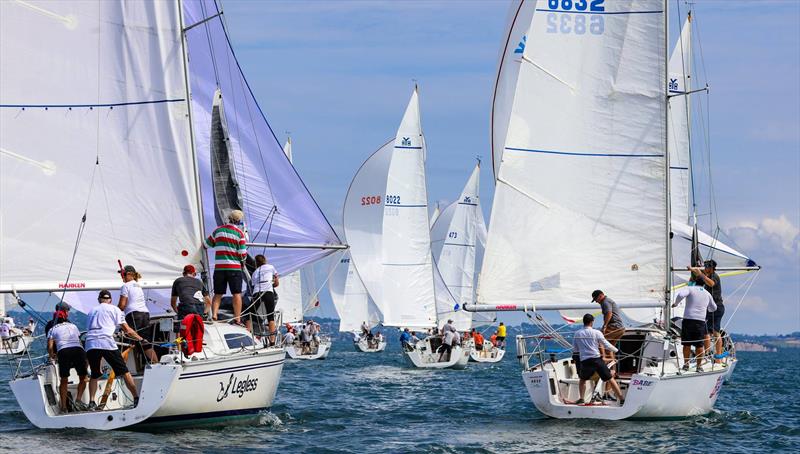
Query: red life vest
(192, 332)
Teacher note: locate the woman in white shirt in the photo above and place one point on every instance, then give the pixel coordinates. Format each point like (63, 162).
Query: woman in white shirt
(264, 281)
(137, 316)
(64, 345)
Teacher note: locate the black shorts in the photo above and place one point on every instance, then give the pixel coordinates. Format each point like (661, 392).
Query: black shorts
(501, 339)
(225, 279)
(478, 346)
(714, 319)
(185, 309)
(693, 332)
(71, 358)
(112, 357)
(592, 365)
(140, 322)
(445, 348)
(267, 299)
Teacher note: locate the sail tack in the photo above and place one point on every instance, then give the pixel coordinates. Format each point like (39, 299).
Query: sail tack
(581, 198)
(93, 118)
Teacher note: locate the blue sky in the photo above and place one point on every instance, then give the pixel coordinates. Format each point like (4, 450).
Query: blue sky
(338, 76)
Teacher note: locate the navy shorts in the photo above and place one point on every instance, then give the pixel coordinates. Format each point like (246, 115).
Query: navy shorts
(112, 357)
(714, 319)
(592, 365)
(693, 332)
(71, 358)
(227, 279)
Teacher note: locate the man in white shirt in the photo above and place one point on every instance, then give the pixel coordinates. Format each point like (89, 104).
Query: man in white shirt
(447, 343)
(288, 339)
(587, 343)
(5, 336)
(64, 345)
(693, 328)
(104, 320)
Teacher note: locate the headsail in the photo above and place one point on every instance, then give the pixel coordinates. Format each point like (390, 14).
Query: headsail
(581, 200)
(678, 116)
(278, 208)
(290, 292)
(93, 118)
(350, 297)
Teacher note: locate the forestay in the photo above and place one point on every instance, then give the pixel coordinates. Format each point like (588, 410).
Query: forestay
(278, 208)
(581, 200)
(350, 297)
(455, 242)
(290, 291)
(93, 117)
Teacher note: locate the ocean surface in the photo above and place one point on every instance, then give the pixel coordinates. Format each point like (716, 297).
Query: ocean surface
(362, 403)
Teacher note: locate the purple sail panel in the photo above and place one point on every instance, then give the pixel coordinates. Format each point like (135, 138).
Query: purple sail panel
(277, 205)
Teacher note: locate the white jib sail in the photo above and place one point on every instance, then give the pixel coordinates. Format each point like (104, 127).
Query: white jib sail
(350, 297)
(290, 290)
(94, 117)
(456, 258)
(678, 116)
(519, 20)
(580, 202)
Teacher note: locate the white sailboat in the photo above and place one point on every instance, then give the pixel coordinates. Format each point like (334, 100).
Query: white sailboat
(139, 148)
(386, 224)
(458, 239)
(297, 294)
(583, 199)
(354, 306)
(18, 340)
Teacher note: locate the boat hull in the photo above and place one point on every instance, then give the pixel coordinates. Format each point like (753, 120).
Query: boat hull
(424, 358)
(362, 346)
(489, 354)
(295, 352)
(16, 345)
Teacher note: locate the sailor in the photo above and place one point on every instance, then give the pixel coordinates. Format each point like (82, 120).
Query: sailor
(305, 338)
(613, 328)
(414, 339)
(264, 280)
(477, 338)
(104, 320)
(448, 327)
(587, 341)
(501, 336)
(30, 328)
(710, 280)
(64, 345)
(448, 338)
(5, 334)
(60, 306)
(315, 330)
(693, 328)
(137, 315)
(191, 293)
(406, 340)
(229, 242)
(288, 338)
(493, 339)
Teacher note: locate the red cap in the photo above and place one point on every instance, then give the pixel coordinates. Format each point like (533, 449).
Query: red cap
(62, 315)
(189, 269)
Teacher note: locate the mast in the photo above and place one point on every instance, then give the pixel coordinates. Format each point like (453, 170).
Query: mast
(668, 236)
(198, 195)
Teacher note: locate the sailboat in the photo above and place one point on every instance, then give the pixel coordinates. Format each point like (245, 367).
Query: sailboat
(140, 152)
(18, 340)
(354, 306)
(386, 224)
(458, 238)
(583, 174)
(297, 294)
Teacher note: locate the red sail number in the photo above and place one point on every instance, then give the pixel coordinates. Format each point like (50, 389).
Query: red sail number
(371, 200)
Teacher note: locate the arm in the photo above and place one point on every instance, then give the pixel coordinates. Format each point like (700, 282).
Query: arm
(697, 271)
(173, 301)
(130, 332)
(680, 295)
(275, 281)
(51, 347)
(712, 306)
(123, 301)
(606, 343)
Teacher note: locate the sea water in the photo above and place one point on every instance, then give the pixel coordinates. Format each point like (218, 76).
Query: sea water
(372, 402)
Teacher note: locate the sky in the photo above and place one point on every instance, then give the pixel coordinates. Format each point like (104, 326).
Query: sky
(337, 75)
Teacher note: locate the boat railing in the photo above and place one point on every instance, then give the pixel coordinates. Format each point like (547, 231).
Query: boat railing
(30, 360)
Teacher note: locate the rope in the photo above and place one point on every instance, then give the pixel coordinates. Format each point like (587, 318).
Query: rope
(749, 284)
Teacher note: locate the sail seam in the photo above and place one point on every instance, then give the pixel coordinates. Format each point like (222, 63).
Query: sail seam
(568, 153)
(71, 106)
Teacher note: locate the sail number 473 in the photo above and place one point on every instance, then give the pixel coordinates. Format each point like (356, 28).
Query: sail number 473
(557, 22)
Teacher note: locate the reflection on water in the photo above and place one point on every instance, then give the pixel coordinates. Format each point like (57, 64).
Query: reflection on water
(358, 402)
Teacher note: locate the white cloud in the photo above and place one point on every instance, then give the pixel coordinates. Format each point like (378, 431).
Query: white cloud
(773, 235)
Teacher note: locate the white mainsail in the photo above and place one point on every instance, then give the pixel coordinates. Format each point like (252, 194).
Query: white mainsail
(519, 23)
(93, 119)
(350, 297)
(455, 242)
(581, 196)
(386, 225)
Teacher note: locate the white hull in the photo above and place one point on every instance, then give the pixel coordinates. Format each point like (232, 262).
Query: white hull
(423, 357)
(320, 352)
(489, 354)
(363, 346)
(17, 344)
(221, 382)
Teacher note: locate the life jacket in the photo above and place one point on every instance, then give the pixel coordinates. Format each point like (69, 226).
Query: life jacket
(192, 332)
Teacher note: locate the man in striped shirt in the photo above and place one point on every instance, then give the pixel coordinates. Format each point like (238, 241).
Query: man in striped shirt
(229, 242)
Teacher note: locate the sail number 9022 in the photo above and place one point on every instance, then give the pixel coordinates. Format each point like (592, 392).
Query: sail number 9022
(371, 200)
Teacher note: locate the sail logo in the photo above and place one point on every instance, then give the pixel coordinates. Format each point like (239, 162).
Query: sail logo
(673, 84)
(716, 387)
(521, 46)
(70, 285)
(236, 387)
(641, 383)
(406, 141)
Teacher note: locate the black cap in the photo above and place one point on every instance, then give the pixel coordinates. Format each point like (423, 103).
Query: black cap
(595, 294)
(104, 294)
(129, 269)
(588, 318)
(710, 264)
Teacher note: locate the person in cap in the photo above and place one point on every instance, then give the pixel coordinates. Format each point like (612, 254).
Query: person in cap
(586, 342)
(613, 328)
(501, 335)
(228, 240)
(711, 282)
(405, 339)
(693, 328)
(264, 281)
(30, 328)
(191, 293)
(448, 339)
(137, 315)
(104, 319)
(64, 345)
(60, 306)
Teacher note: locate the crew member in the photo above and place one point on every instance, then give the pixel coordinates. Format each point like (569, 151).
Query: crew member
(693, 328)
(710, 280)
(264, 280)
(587, 341)
(189, 295)
(613, 328)
(229, 242)
(137, 315)
(64, 345)
(501, 335)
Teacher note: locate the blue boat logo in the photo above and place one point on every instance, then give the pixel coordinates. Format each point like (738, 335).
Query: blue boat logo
(673, 84)
(521, 46)
(406, 142)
